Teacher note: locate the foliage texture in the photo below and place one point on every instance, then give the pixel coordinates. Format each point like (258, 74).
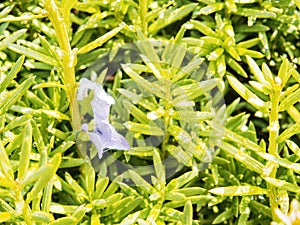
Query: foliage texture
(250, 49)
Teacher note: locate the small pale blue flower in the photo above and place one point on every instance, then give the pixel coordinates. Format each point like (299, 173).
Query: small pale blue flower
(104, 136)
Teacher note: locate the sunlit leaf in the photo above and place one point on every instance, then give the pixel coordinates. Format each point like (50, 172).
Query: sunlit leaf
(101, 40)
(171, 17)
(249, 96)
(5, 166)
(178, 153)
(247, 12)
(238, 191)
(25, 151)
(151, 87)
(30, 53)
(289, 132)
(144, 129)
(12, 73)
(12, 38)
(15, 95)
(187, 214)
(283, 184)
(244, 158)
(203, 28)
(5, 216)
(211, 8)
(159, 167)
(42, 182)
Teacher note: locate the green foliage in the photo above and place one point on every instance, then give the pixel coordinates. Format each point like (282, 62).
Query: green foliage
(251, 50)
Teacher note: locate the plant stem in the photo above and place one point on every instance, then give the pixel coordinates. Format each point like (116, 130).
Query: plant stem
(69, 58)
(273, 145)
(274, 124)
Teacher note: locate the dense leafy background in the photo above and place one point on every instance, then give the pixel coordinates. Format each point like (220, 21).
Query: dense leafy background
(246, 44)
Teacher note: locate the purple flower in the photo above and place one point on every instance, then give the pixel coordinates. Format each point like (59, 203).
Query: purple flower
(104, 135)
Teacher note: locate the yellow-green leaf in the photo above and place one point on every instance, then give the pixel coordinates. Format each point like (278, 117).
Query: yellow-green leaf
(144, 129)
(239, 190)
(25, 151)
(15, 95)
(101, 40)
(30, 53)
(187, 213)
(211, 8)
(248, 95)
(12, 73)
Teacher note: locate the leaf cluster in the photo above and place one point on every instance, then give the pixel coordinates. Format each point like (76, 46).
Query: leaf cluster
(212, 51)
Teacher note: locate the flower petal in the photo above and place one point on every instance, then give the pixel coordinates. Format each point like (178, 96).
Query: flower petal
(101, 110)
(84, 86)
(96, 140)
(117, 141)
(111, 138)
(104, 135)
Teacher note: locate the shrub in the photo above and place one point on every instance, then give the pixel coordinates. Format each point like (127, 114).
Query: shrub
(206, 94)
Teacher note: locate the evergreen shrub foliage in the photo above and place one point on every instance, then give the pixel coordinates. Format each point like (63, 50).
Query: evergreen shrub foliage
(242, 169)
